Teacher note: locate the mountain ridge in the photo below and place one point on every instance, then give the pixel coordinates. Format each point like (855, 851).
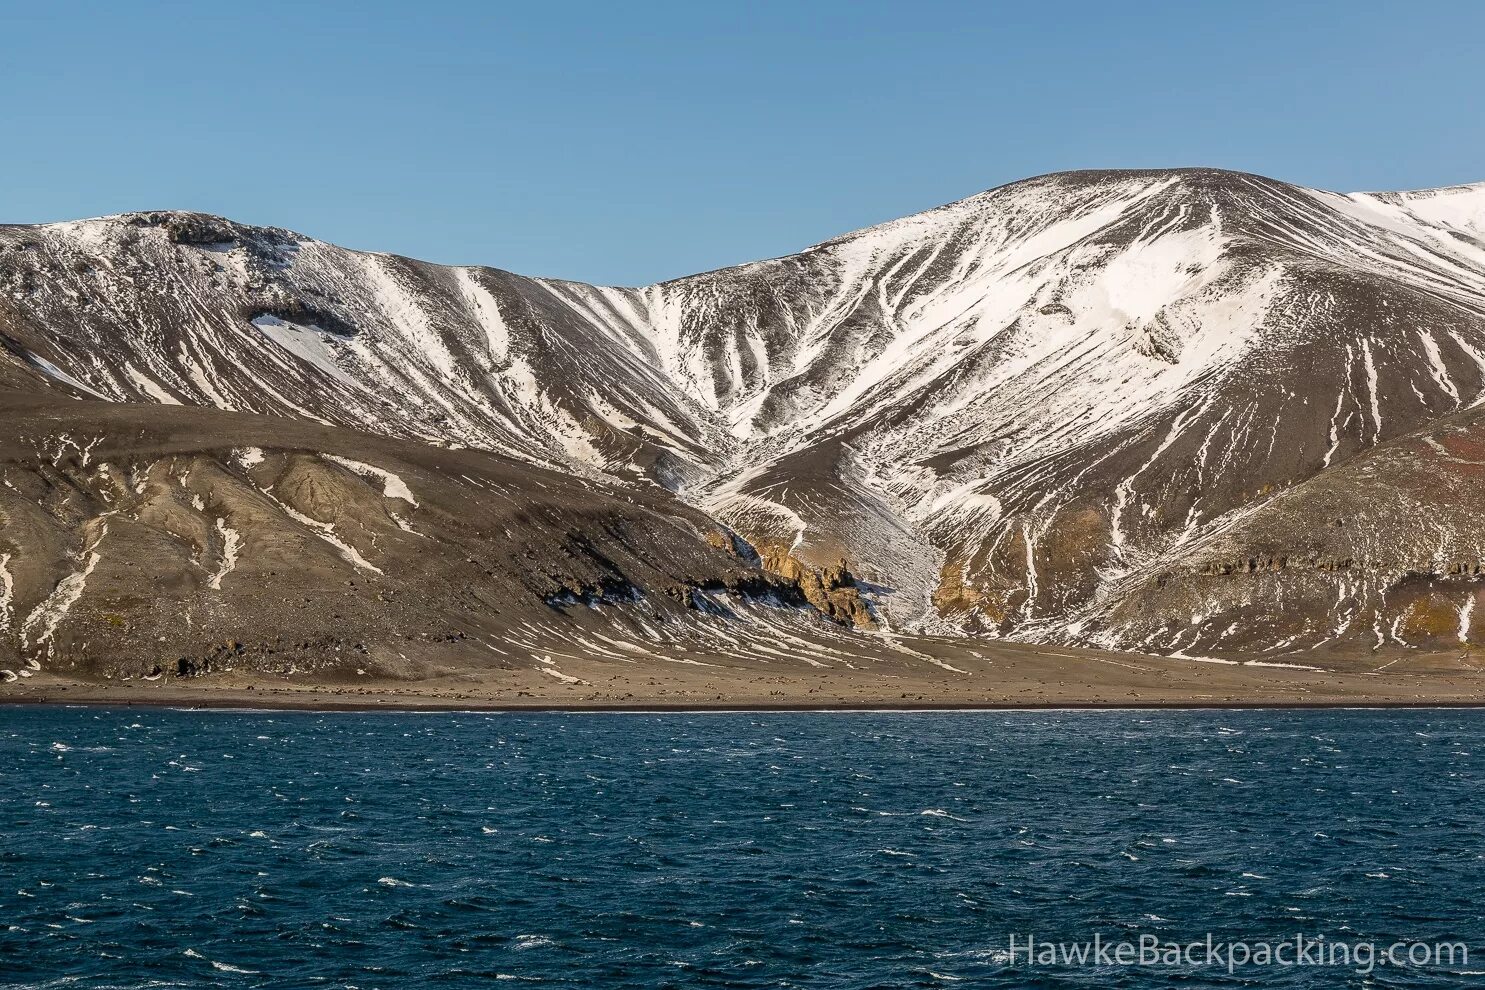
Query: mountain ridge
(998, 416)
(1472, 187)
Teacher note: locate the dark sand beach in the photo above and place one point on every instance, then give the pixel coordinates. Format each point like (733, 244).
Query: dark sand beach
(954, 675)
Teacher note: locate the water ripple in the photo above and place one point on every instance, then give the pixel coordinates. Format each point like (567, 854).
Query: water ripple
(193, 849)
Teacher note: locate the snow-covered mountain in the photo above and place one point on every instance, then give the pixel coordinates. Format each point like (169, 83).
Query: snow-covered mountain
(1185, 410)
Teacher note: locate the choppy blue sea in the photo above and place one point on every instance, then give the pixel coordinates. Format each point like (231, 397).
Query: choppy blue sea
(156, 848)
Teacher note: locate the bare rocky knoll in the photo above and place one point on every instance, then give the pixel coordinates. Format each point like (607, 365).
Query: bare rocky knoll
(148, 541)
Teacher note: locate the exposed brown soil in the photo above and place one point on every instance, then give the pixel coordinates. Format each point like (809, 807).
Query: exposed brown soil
(994, 676)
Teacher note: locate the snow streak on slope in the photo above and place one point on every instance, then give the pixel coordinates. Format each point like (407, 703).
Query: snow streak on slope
(7, 593)
(41, 625)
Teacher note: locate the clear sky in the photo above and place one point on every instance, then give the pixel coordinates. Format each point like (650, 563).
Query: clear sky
(631, 142)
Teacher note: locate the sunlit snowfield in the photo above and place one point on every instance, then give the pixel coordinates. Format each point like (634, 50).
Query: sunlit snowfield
(152, 848)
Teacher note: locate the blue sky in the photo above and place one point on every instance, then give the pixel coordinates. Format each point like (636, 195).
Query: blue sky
(627, 143)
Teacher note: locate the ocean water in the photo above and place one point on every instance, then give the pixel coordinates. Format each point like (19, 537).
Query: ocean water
(157, 848)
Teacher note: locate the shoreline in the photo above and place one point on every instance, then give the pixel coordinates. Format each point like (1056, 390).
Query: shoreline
(1000, 678)
(320, 706)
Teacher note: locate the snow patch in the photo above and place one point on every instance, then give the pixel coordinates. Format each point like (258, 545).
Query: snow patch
(326, 532)
(392, 485)
(43, 622)
(7, 593)
(231, 545)
(56, 373)
(309, 344)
